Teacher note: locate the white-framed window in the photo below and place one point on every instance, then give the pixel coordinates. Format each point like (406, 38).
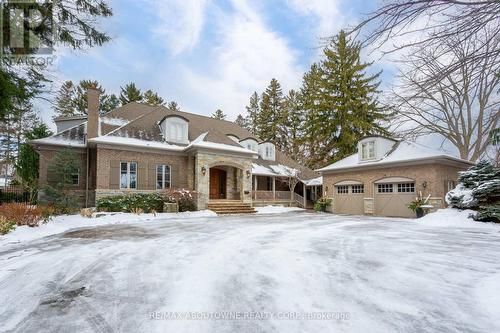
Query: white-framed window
(342, 189)
(406, 187)
(385, 188)
(357, 189)
(128, 175)
(163, 175)
(368, 150)
(176, 129)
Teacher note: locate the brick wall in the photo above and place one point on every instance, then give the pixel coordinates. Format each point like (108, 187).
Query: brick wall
(146, 175)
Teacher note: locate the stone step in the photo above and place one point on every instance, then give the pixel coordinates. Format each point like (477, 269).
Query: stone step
(230, 207)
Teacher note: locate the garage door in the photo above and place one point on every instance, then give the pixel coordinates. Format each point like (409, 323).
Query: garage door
(392, 198)
(348, 199)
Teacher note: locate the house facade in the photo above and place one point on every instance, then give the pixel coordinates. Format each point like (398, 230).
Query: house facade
(385, 175)
(139, 148)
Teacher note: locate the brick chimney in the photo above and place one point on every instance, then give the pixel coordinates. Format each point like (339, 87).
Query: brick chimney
(92, 113)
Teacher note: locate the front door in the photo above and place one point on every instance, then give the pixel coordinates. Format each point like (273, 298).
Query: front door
(217, 184)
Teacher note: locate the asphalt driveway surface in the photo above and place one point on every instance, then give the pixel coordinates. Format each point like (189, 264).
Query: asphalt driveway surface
(294, 272)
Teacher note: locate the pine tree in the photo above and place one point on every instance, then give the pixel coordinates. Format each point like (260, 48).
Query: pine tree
(65, 100)
(108, 103)
(218, 114)
(173, 106)
(129, 93)
(271, 114)
(253, 110)
(242, 122)
(291, 125)
(80, 101)
(345, 108)
(313, 136)
(153, 98)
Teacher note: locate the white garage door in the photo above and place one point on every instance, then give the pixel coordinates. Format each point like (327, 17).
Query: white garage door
(348, 199)
(392, 199)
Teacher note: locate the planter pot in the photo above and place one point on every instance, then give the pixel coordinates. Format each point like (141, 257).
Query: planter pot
(420, 212)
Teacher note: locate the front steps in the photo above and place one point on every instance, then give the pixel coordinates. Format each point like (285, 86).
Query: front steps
(224, 207)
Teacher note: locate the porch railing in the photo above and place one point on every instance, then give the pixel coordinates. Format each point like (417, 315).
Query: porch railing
(278, 196)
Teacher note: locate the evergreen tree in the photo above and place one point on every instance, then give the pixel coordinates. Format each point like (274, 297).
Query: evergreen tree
(478, 189)
(173, 106)
(271, 114)
(61, 170)
(313, 130)
(345, 108)
(65, 100)
(28, 159)
(218, 114)
(253, 110)
(80, 101)
(153, 98)
(129, 93)
(108, 103)
(242, 122)
(291, 125)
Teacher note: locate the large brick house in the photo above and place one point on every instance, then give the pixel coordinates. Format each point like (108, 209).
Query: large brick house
(142, 148)
(386, 174)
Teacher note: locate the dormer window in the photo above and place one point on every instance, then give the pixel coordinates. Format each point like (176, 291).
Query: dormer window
(249, 143)
(175, 129)
(267, 151)
(368, 150)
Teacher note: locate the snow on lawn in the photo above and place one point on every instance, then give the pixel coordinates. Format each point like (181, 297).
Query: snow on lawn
(59, 224)
(276, 209)
(451, 217)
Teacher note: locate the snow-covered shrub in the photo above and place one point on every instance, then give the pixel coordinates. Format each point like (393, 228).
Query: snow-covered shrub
(6, 225)
(478, 189)
(22, 214)
(186, 199)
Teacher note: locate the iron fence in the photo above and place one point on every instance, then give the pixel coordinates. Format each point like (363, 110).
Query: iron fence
(14, 194)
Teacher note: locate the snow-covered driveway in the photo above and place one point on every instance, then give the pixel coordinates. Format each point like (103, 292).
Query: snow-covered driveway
(375, 274)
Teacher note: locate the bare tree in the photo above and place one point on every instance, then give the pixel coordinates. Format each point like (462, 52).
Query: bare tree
(435, 21)
(292, 179)
(463, 105)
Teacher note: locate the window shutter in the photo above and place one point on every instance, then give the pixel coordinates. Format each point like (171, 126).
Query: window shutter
(141, 177)
(152, 176)
(114, 174)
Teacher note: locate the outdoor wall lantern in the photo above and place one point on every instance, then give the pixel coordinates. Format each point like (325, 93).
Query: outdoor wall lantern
(424, 184)
(248, 173)
(203, 170)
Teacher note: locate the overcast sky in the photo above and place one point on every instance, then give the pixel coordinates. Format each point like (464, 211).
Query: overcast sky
(209, 54)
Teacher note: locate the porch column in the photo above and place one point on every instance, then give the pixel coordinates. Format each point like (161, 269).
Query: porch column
(274, 188)
(255, 187)
(304, 192)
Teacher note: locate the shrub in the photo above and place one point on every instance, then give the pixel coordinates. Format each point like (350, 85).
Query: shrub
(22, 214)
(186, 199)
(6, 225)
(321, 204)
(130, 203)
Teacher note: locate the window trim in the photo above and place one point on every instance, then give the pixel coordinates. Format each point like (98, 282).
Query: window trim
(128, 176)
(367, 146)
(163, 176)
(406, 185)
(385, 185)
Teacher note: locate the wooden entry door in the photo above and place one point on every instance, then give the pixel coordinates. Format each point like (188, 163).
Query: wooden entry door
(217, 184)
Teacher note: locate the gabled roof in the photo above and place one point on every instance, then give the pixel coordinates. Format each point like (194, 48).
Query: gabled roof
(402, 152)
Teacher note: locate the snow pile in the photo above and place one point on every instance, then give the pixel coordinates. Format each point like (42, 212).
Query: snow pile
(276, 209)
(463, 194)
(114, 121)
(452, 217)
(63, 223)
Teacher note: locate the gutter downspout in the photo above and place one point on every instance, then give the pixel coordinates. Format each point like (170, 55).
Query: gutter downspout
(87, 181)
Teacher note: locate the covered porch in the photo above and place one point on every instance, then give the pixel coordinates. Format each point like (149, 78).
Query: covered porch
(274, 190)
